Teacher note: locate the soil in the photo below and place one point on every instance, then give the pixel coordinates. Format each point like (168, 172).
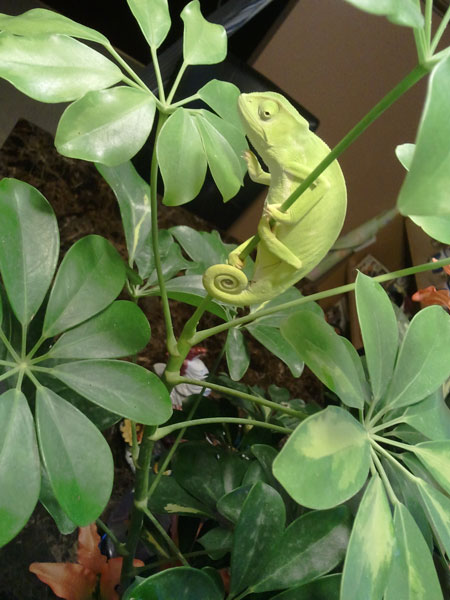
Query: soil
(84, 204)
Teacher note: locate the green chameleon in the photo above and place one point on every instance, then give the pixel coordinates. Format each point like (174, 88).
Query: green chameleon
(301, 236)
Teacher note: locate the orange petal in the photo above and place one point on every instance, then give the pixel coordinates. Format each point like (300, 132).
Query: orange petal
(430, 295)
(67, 580)
(89, 554)
(110, 578)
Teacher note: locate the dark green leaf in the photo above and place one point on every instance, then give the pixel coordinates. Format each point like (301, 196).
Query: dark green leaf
(54, 68)
(120, 330)
(217, 542)
(153, 18)
(69, 442)
(19, 464)
(180, 583)
(51, 504)
(238, 358)
(106, 126)
(189, 289)
(230, 505)
(121, 387)
(324, 588)
(29, 246)
(89, 278)
(275, 319)
(400, 12)
(170, 498)
(272, 339)
(204, 43)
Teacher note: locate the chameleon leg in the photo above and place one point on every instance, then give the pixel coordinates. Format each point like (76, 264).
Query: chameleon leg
(299, 209)
(255, 170)
(275, 246)
(233, 257)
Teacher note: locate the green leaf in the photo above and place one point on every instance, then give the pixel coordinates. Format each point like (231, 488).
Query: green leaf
(121, 387)
(153, 18)
(325, 461)
(120, 330)
(379, 332)
(412, 573)
(106, 126)
(330, 359)
(259, 527)
(204, 248)
(223, 162)
(311, 546)
(436, 458)
(423, 362)
(277, 318)
(54, 68)
(68, 442)
(133, 197)
(38, 21)
(429, 175)
(437, 506)
(204, 43)
(400, 12)
(369, 554)
(217, 542)
(181, 158)
(430, 416)
(324, 588)
(272, 339)
(222, 97)
(29, 248)
(89, 278)
(51, 504)
(182, 583)
(238, 358)
(190, 289)
(19, 464)
(170, 498)
(230, 505)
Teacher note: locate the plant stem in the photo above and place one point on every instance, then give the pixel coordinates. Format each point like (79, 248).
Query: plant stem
(440, 30)
(232, 392)
(118, 545)
(387, 424)
(403, 86)
(162, 95)
(406, 447)
(176, 82)
(9, 373)
(8, 346)
(35, 348)
(395, 462)
(192, 98)
(163, 431)
(169, 541)
(169, 559)
(349, 287)
(387, 484)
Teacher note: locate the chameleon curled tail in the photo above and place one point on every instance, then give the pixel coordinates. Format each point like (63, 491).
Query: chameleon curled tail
(229, 284)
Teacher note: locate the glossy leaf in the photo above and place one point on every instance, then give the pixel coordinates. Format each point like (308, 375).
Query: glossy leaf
(379, 332)
(68, 442)
(19, 464)
(204, 43)
(400, 12)
(170, 498)
(238, 358)
(120, 330)
(429, 174)
(430, 416)
(437, 506)
(133, 197)
(230, 505)
(181, 158)
(325, 461)
(29, 248)
(51, 504)
(320, 347)
(412, 573)
(222, 97)
(436, 458)
(89, 278)
(217, 542)
(369, 554)
(311, 546)
(424, 359)
(223, 162)
(259, 527)
(182, 583)
(190, 289)
(153, 18)
(106, 126)
(324, 588)
(38, 21)
(54, 68)
(272, 339)
(121, 387)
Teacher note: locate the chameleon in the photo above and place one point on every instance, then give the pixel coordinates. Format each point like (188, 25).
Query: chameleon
(302, 235)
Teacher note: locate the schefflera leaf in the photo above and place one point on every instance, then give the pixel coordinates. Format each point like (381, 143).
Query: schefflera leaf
(435, 456)
(19, 464)
(437, 507)
(400, 12)
(121, 387)
(423, 362)
(182, 583)
(153, 18)
(327, 355)
(90, 277)
(204, 43)
(54, 68)
(107, 126)
(325, 460)
(222, 97)
(29, 246)
(379, 332)
(120, 330)
(369, 553)
(76, 456)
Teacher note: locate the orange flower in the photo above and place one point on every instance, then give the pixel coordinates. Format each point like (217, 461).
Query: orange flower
(78, 581)
(430, 295)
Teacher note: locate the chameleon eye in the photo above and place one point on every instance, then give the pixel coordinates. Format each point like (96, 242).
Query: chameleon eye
(267, 110)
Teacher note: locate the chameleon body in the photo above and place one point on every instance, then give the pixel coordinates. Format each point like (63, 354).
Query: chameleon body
(301, 236)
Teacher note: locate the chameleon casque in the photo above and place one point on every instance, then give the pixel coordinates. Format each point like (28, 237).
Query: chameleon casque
(301, 236)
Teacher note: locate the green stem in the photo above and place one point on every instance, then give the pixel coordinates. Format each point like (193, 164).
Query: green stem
(440, 30)
(387, 484)
(169, 559)
(32, 378)
(395, 462)
(428, 22)
(403, 86)
(387, 424)
(185, 101)
(7, 363)
(9, 373)
(35, 348)
(162, 95)
(176, 83)
(163, 431)
(349, 287)
(8, 346)
(406, 447)
(169, 541)
(134, 443)
(232, 392)
(120, 548)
